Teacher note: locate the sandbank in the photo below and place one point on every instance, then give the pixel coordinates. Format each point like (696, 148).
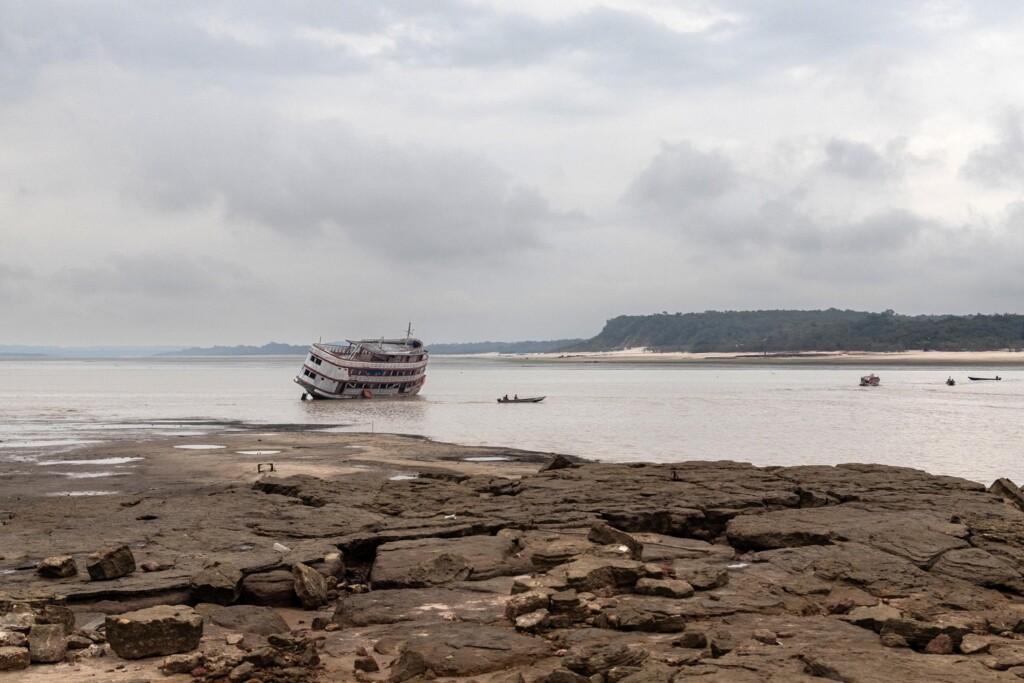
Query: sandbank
(917, 357)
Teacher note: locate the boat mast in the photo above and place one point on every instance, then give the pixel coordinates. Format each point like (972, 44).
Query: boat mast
(408, 332)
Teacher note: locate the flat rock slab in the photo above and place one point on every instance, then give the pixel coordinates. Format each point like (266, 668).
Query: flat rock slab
(421, 605)
(414, 563)
(468, 650)
(262, 621)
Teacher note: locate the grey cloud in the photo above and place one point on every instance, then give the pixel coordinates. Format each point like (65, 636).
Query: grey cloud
(680, 175)
(856, 160)
(12, 278)
(623, 48)
(890, 231)
(402, 203)
(159, 275)
(701, 198)
(1000, 163)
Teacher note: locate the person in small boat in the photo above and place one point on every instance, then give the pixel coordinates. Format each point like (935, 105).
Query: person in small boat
(516, 397)
(506, 398)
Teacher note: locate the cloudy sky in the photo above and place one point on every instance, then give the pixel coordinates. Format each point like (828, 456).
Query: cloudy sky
(189, 172)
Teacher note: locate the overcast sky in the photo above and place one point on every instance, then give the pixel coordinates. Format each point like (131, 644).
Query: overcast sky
(239, 172)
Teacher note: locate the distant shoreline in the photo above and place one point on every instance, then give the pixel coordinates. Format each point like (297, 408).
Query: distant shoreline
(976, 358)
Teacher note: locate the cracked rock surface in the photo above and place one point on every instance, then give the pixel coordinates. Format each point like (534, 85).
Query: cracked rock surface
(711, 571)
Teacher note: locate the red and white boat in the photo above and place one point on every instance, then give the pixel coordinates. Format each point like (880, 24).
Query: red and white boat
(367, 368)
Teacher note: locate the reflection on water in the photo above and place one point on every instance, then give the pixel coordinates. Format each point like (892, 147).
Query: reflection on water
(781, 415)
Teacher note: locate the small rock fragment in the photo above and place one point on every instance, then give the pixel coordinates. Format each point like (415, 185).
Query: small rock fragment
(557, 462)
(219, 583)
(110, 563)
(310, 586)
(12, 658)
(894, 640)
(941, 644)
(367, 664)
(666, 588)
(57, 567)
(182, 664)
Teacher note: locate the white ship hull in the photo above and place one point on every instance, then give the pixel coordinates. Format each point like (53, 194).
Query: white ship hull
(384, 368)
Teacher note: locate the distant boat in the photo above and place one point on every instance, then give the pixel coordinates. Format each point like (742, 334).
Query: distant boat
(980, 379)
(871, 380)
(525, 399)
(951, 382)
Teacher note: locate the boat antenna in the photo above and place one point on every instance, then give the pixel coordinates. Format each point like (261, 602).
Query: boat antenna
(408, 331)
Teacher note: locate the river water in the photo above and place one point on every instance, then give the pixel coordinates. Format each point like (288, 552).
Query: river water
(767, 415)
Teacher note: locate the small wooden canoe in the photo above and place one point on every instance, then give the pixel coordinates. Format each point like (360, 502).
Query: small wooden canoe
(525, 399)
(980, 379)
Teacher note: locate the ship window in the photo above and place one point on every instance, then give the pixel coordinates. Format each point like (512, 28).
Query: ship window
(317, 361)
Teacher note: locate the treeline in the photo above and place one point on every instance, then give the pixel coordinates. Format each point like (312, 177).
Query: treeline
(786, 331)
(502, 347)
(271, 349)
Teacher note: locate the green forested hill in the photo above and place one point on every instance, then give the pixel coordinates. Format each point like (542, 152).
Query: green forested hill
(781, 331)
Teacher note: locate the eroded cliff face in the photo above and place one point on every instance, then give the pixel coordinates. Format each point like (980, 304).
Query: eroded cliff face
(719, 571)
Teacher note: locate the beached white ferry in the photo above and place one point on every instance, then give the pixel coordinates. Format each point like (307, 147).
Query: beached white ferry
(367, 368)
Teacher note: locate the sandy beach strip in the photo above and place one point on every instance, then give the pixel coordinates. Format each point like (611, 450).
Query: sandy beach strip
(642, 355)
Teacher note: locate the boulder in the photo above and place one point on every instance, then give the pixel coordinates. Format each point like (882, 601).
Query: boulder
(1009, 492)
(599, 658)
(219, 583)
(275, 588)
(110, 563)
(598, 573)
(523, 603)
(57, 614)
(15, 638)
(57, 567)
(12, 658)
(19, 617)
(941, 644)
(46, 643)
(557, 462)
(333, 564)
(162, 630)
(602, 534)
(532, 621)
(310, 586)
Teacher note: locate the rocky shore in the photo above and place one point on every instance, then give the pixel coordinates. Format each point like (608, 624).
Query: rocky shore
(387, 558)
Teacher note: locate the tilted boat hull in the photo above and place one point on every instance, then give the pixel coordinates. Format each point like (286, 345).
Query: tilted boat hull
(369, 368)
